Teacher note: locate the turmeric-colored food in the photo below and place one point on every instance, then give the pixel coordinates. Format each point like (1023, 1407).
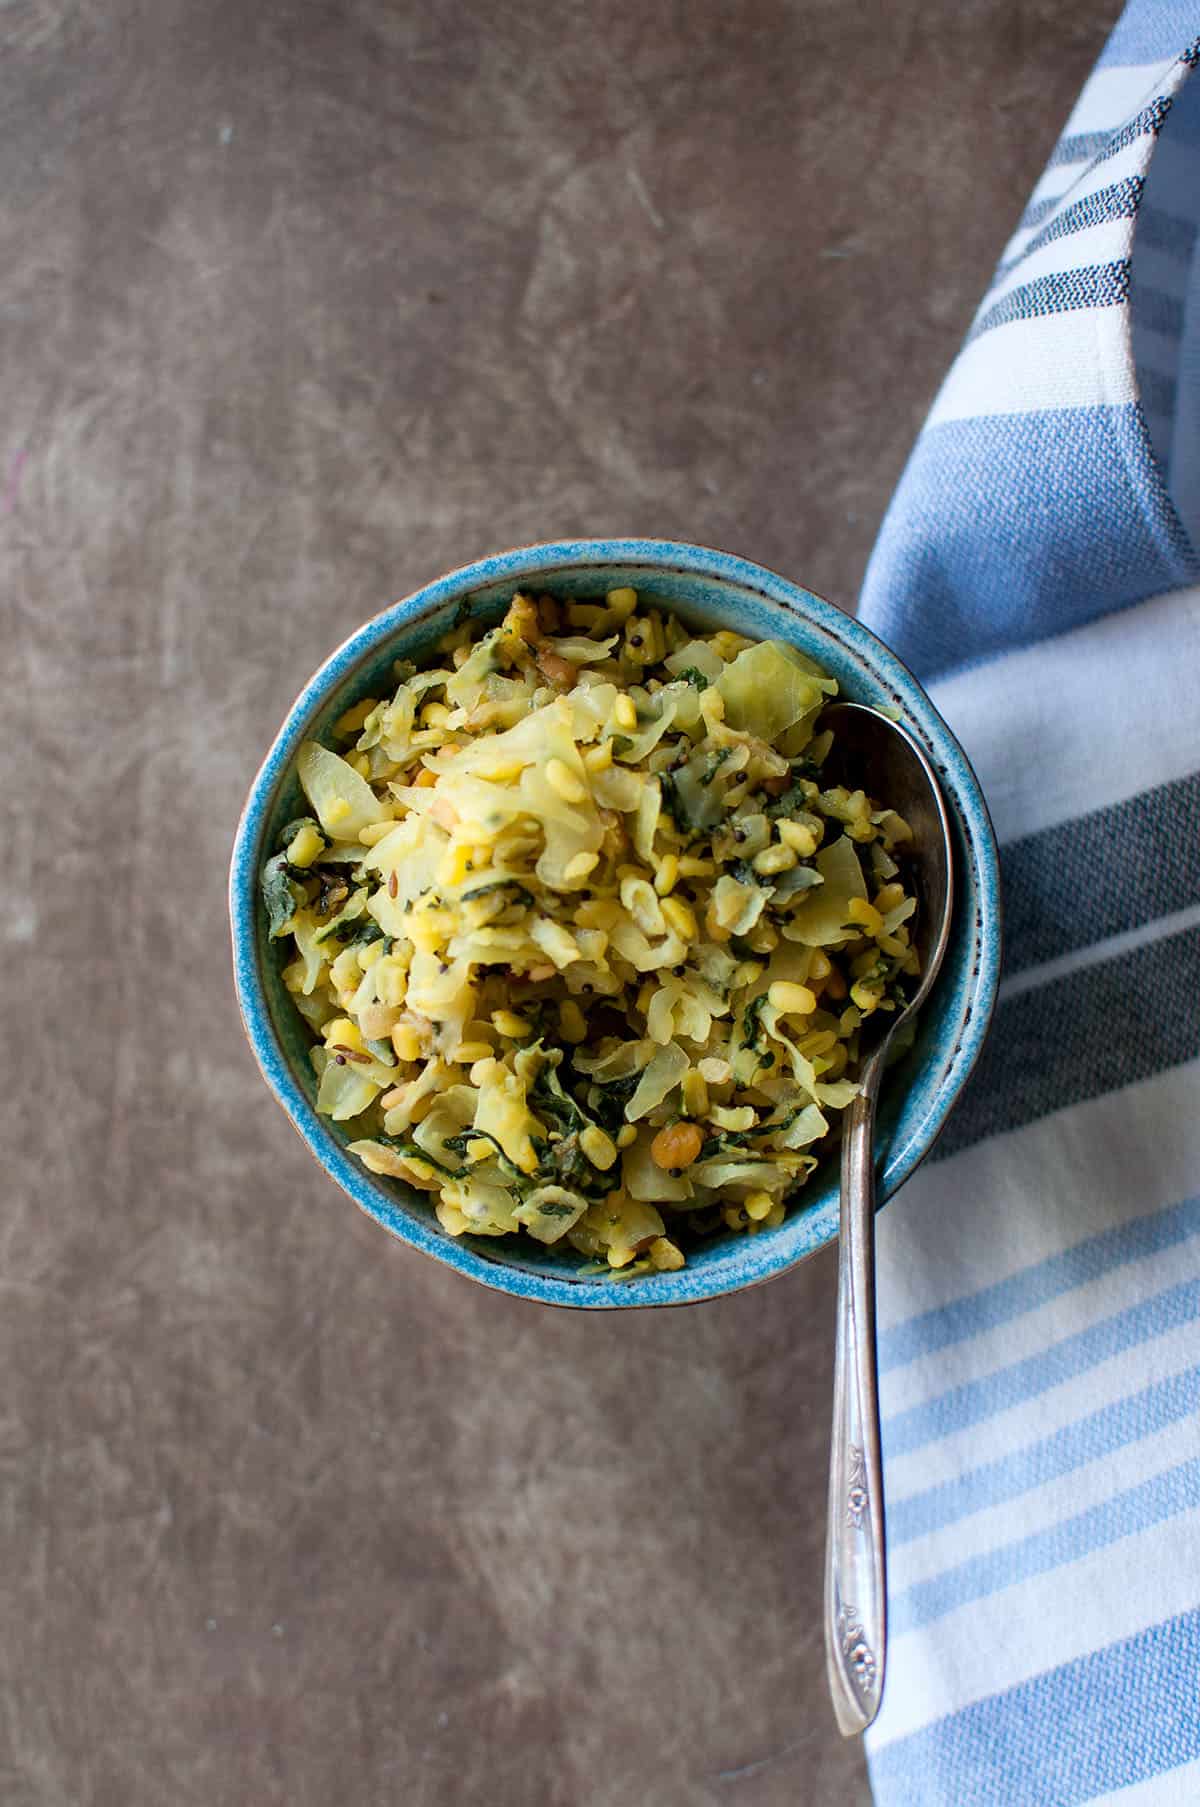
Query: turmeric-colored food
(585, 943)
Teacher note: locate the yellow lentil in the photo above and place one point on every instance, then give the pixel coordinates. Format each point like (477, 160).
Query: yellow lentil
(599, 1148)
(791, 1000)
(305, 845)
(680, 917)
(562, 779)
(667, 875)
(578, 868)
(799, 837)
(694, 1092)
(508, 1024)
(860, 911)
(571, 1021)
(774, 859)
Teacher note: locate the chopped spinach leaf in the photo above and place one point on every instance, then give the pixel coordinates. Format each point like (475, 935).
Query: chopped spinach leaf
(282, 896)
(551, 1101)
(410, 1152)
(352, 934)
(614, 1096)
(675, 806)
(791, 803)
(520, 894)
(566, 1165)
(459, 1144)
(731, 1142)
(752, 1028)
(670, 799)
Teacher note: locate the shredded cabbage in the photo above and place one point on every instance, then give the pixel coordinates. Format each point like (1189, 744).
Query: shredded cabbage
(696, 656)
(548, 1212)
(822, 920)
(343, 800)
(770, 687)
(644, 1179)
(660, 1078)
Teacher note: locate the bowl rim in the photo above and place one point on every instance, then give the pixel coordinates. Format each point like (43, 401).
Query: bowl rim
(754, 1260)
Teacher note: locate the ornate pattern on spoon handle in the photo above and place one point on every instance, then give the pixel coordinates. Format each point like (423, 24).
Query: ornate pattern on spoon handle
(857, 1497)
(855, 1576)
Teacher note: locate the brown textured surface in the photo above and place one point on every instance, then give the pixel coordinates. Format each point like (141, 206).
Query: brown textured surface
(303, 303)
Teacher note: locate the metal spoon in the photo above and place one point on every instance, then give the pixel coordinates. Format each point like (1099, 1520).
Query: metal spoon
(872, 752)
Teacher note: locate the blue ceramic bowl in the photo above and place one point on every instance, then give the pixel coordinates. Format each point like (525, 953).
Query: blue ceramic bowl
(709, 590)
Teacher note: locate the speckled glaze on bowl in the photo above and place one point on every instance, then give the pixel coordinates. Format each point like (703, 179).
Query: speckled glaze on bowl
(709, 590)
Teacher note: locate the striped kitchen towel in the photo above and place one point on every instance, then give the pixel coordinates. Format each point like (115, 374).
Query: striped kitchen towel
(1040, 1278)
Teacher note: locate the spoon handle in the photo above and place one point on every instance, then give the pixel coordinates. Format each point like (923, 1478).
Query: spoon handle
(855, 1571)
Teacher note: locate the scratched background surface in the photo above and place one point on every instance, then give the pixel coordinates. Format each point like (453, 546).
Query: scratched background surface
(301, 304)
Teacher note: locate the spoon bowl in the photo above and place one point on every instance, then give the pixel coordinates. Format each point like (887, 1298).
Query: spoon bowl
(872, 753)
(879, 756)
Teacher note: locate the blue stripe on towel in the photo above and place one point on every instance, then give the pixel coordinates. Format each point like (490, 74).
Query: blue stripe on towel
(990, 545)
(1135, 862)
(1075, 1037)
(1163, 1496)
(1159, 397)
(976, 1400)
(1098, 147)
(1100, 1434)
(1159, 313)
(1096, 285)
(1037, 211)
(1170, 233)
(1102, 1722)
(1117, 202)
(1006, 1300)
(1149, 32)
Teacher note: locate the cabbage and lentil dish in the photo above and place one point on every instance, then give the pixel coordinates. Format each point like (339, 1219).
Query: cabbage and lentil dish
(585, 942)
